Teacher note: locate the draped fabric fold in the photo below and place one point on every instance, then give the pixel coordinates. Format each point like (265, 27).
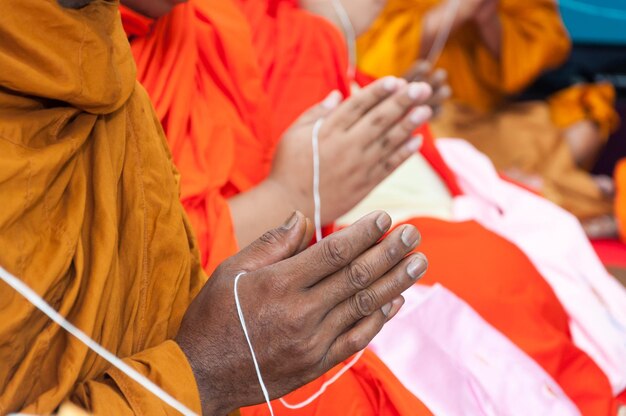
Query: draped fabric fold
(210, 103)
(90, 217)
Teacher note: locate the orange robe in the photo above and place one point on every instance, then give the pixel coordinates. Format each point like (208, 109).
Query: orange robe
(503, 286)
(89, 219)
(198, 66)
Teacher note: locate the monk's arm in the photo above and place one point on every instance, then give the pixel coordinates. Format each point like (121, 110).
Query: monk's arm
(438, 17)
(263, 207)
(488, 22)
(152, 8)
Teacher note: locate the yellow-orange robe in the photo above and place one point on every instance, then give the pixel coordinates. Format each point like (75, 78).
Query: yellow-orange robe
(89, 218)
(199, 67)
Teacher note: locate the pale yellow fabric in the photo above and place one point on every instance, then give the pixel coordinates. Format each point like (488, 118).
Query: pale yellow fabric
(414, 190)
(89, 217)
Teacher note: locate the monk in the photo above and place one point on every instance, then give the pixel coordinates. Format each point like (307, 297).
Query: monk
(495, 50)
(162, 44)
(91, 220)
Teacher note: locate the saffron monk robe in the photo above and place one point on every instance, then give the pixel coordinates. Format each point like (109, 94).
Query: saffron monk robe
(289, 76)
(152, 55)
(496, 49)
(91, 220)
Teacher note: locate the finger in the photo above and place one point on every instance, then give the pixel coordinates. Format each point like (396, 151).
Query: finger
(399, 134)
(438, 79)
(367, 268)
(354, 340)
(323, 109)
(371, 299)
(418, 72)
(334, 252)
(384, 116)
(275, 245)
(352, 109)
(393, 161)
(440, 96)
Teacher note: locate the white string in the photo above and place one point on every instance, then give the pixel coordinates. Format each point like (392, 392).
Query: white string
(442, 36)
(37, 301)
(350, 34)
(242, 321)
(325, 385)
(317, 201)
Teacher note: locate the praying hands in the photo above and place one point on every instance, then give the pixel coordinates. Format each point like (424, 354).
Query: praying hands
(306, 311)
(362, 140)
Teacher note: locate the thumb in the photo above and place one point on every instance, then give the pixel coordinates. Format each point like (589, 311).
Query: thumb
(322, 109)
(275, 245)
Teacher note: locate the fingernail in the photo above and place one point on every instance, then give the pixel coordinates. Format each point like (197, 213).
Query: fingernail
(410, 236)
(387, 308)
(291, 222)
(420, 114)
(417, 267)
(415, 143)
(383, 222)
(332, 100)
(390, 83)
(416, 90)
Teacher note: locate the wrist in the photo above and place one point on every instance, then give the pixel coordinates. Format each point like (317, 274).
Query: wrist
(213, 403)
(291, 199)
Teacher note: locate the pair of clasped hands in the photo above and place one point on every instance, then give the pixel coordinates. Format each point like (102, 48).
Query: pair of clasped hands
(310, 307)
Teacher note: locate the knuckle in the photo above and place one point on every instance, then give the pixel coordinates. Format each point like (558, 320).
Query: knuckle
(391, 253)
(336, 251)
(378, 119)
(359, 275)
(357, 341)
(271, 237)
(364, 303)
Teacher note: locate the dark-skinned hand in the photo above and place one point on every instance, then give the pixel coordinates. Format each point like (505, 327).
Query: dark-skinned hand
(306, 310)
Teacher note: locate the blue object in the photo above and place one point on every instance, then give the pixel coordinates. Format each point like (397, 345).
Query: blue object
(595, 21)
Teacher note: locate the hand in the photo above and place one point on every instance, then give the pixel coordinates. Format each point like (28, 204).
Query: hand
(305, 311)
(422, 71)
(361, 142)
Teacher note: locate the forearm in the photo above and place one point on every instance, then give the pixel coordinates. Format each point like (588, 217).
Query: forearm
(152, 8)
(490, 27)
(436, 19)
(261, 208)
